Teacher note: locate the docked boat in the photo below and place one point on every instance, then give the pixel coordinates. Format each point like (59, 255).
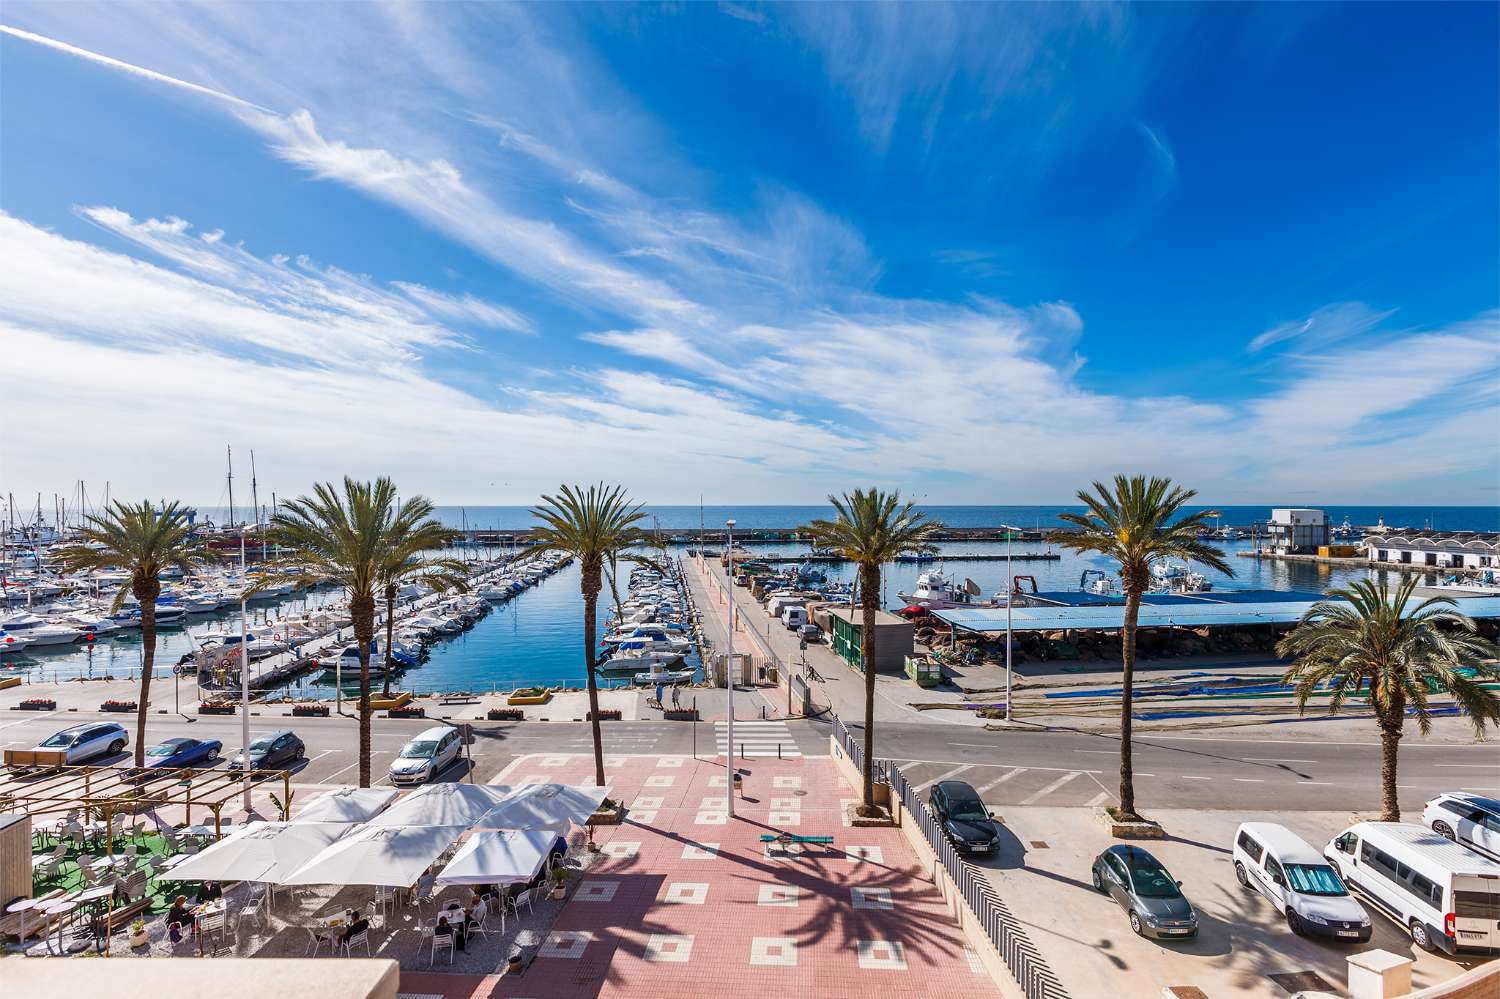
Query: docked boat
(935, 591)
(669, 677)
(1168, 576)
(40, 631)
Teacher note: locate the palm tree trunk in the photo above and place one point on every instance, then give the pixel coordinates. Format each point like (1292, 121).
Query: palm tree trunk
(145, 595)
(1390, 745)
(1127, 682)
(591, 586)
(390, 627)
(362, 613)
(869, 597)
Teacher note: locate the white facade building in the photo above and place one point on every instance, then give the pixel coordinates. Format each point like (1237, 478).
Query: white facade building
(1439, 549)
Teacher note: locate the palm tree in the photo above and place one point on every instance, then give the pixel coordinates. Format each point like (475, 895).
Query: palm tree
(594, 525)
(412, 532)
(870, 529)
(1137, 523)
(1365, 638)
(353, 540)
(143, 541)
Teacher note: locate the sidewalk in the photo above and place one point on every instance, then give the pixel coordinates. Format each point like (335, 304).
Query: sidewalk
(687, 901)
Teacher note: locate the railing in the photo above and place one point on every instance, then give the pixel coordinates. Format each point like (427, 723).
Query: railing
(1005, 931)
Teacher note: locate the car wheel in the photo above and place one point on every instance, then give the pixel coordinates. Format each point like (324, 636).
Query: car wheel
(1419, 935)
(1443, 829)
(1135, 924)
(213, 756)
(116, 746)
(1240, 875)
(1294, 923)
(1098, 882)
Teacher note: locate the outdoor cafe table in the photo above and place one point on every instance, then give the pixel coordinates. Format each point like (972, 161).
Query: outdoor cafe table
(24, 906)
(319, 927)
(202, 911)
(97, 899)
(61, 908)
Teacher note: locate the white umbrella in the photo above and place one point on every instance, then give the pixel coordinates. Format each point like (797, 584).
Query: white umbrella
(498, 857)
(390, 856)
(443, 805)
(347, 804)
(551, 807)
(260, 851)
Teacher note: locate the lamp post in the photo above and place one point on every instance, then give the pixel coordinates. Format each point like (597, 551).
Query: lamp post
(244, 681)
(1010, 594)
(729, 669)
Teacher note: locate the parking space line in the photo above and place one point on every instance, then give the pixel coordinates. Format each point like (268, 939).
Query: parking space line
(942, 777)
(1099, 798)
(1018, 771)
(1052, 787)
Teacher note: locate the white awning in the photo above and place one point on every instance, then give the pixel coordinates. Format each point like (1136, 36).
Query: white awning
(550, 807)
(347, 804)
(394, 856)
(260, 851)
(498, 857)
(443, 805)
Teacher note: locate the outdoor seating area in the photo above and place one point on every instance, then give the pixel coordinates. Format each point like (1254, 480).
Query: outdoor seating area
(448, 875)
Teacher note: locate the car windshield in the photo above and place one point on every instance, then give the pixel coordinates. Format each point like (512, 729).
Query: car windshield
(61, 739)
(1151, 880)
(968, 810)
(262, 744)
(165, 749)
(1315, 879)
(418, 750)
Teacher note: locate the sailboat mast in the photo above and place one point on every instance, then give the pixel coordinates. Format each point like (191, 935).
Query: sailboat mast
(229, 454)
(254, 490)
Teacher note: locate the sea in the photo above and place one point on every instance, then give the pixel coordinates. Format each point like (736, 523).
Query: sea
(538, 637)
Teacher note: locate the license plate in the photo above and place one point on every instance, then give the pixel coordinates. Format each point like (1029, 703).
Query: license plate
(979, 849)
(1471, 936)
(1177, 932)
(1348, 933)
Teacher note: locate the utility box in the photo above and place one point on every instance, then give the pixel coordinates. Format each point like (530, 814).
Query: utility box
(1379, 974)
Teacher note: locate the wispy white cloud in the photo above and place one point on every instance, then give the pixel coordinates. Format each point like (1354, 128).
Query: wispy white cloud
(1328, 324)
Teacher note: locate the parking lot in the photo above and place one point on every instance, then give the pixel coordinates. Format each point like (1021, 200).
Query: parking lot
(1243, 946)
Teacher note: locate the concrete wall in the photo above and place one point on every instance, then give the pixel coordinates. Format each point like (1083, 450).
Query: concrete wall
(1482, 982)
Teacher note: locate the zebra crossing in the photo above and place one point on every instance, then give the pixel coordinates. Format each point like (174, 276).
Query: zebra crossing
(1013, 785)
(757, 738)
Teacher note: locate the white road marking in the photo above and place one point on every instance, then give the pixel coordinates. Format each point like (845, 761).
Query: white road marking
(1467, 766)
(1052, 787)
(1191, 777)
(1264, 759)
(941, 777)
(1029, 766)
(1099, 752)
(1249, 780)
(1099, 798)
(1324, 783)
(1002, 779)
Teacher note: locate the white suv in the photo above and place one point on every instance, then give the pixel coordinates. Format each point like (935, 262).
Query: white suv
(426, 756)
(1470, 819)
(84, 742)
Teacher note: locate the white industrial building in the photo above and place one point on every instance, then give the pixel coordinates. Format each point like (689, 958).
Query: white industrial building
(1439, 549)
(1297, 530)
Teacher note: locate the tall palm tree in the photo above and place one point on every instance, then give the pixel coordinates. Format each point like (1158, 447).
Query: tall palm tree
(870, 528)
(594, 525)
(141, 540)
(1137, 523)
(412, 532)
(1365, 639)
(350, 539)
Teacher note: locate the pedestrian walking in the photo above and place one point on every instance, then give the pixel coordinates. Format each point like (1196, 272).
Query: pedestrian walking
(676, 697)
(660, 690)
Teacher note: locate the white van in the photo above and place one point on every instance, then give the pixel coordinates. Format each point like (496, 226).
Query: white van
(794, 617)
(1275, 862)
(426, 756)
(778, 604)
(1443, 894)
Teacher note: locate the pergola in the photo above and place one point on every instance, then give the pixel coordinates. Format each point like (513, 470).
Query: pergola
(110, 791)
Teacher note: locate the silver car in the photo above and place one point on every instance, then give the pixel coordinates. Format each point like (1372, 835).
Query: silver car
(84, 742)
(1150, 897)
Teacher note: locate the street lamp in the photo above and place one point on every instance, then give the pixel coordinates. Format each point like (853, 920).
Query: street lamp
(1010, 595)
(729, 667)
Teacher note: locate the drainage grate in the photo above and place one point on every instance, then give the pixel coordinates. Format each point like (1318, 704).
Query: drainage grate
(1293, 982)
(1185, 992)
(1039, 844)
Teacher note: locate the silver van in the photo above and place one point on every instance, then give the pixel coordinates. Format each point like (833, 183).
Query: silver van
(1274, 861)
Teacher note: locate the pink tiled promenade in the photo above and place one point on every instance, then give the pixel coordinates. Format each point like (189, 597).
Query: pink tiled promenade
(686, 901)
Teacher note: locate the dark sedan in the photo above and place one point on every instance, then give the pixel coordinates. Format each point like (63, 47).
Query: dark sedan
(184, 753)
(969, 825)
(278, 750)
(1150, 897)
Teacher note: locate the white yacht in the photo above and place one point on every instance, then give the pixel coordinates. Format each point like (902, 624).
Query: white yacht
(41, 631)
(936, 592)
(1175, 577)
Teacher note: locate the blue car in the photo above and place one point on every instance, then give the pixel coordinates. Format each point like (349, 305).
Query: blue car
(184, 753)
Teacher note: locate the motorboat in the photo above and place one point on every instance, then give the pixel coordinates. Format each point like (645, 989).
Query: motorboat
(13, 643)
(1098, 583)
(629, 665)
(935, 591)
(652, 677)
(41, 631)
(1175, 577)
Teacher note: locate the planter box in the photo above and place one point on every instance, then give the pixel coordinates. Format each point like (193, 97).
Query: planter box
(858, 821)
(118, 706)
(680, 714)
(505, 714)
(606, 817)
(213, 708)
(407, 711)
(1145, 829)
(519, 698)
(38, 704)
(605, 714)
(310, 710)
(390, 703)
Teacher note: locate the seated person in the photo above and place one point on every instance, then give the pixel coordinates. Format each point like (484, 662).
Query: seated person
(209, 890)
(357, 924)
(180, 913)
(443, 928)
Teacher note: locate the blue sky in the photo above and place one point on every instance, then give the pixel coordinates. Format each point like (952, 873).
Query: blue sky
(982, 254)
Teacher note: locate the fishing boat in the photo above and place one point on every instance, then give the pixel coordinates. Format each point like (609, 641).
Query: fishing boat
(935, 591)
(669, 677)
(1175, 577)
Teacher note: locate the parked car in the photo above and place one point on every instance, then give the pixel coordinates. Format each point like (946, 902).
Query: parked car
(272, 751)
(1470, 819)
(969, 826)
(183, 753)
(810, 633)
(1151, 898)
(426, 756)
(1274, 861)
(85, 742)
(1442, 894)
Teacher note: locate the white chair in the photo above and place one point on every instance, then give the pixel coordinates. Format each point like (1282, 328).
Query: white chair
(208, 925)
(316, 938)
(481, 916)
(361, 939)
(438, 943)
(526, 898)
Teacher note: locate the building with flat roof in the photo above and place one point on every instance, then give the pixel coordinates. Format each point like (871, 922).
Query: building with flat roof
(1297, 530)
(894, 639)
(1439, 549)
